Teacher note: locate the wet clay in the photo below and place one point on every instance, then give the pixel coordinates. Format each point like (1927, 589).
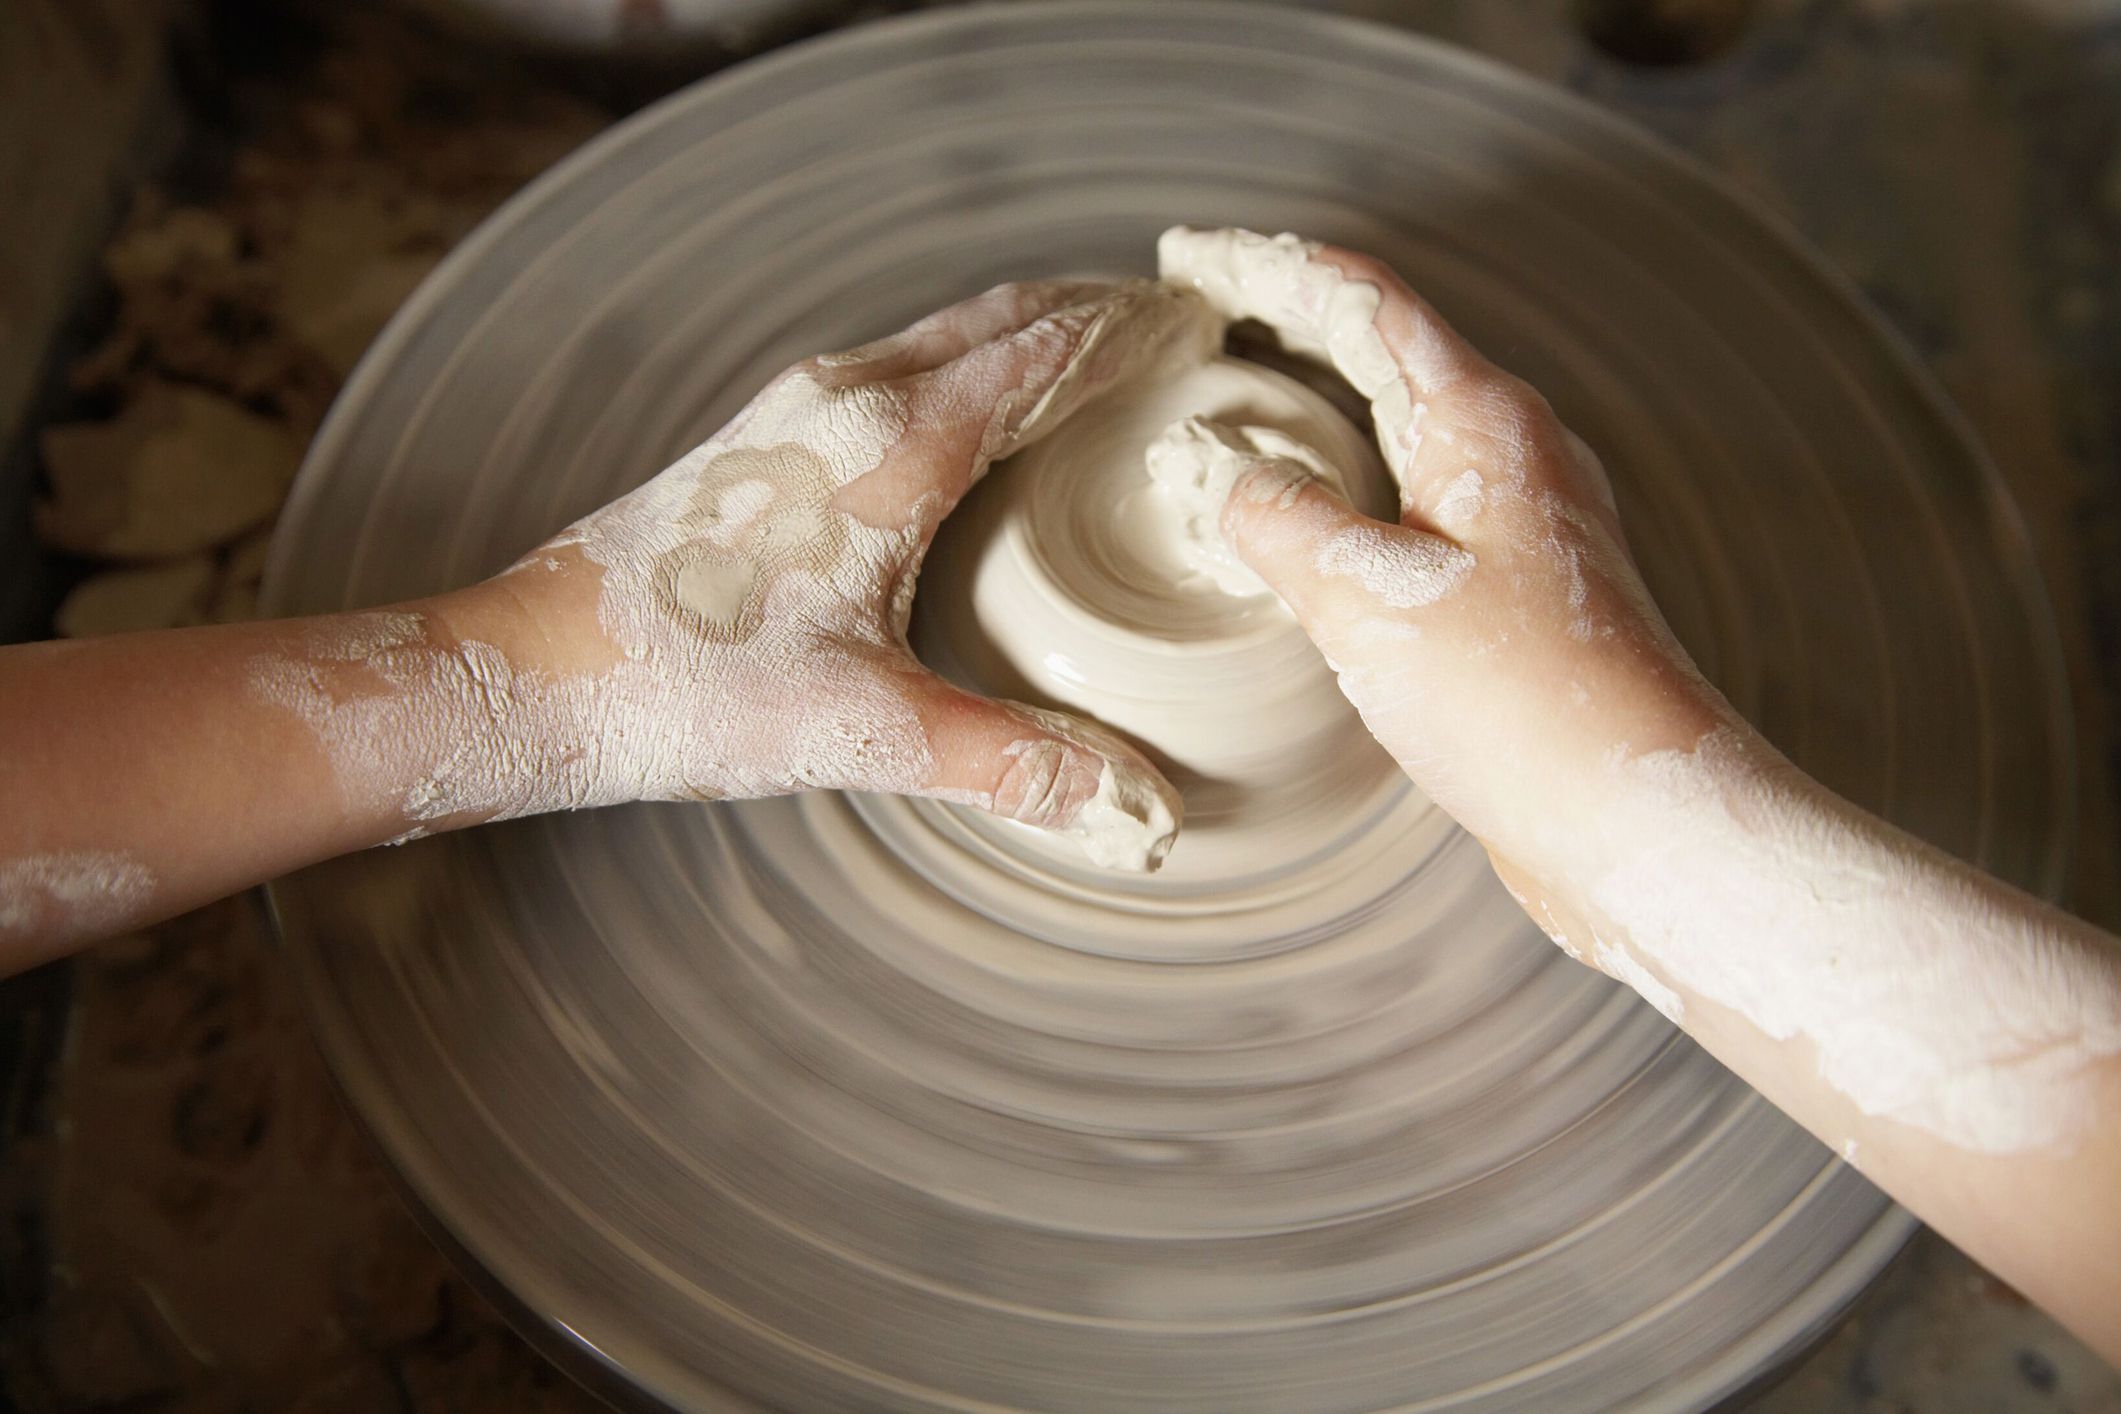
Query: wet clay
(1087, 573)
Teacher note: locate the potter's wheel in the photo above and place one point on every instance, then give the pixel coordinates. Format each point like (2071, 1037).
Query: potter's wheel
(692, 1085)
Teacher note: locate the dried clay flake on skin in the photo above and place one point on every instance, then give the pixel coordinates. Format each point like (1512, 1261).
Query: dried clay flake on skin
(82, 893)
(389, 706)
(692, 704)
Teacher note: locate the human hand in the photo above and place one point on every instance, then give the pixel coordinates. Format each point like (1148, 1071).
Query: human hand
(1497, 639)
(736, 627)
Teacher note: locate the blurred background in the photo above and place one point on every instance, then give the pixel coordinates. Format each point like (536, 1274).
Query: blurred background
(214, 205)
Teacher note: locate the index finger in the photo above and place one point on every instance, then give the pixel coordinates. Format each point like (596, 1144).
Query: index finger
(1004, 393)
(1350, 309)
(947, 334)
(1015, 389)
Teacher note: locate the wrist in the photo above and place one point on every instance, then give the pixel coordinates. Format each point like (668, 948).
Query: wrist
(531, 613)
(1597, 790)
(508, 699)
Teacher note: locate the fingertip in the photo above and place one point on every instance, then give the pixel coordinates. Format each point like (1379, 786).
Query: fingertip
(1056, 773)
(1200, 461)
(1199, 464)
(1128, 818)
(1271, 509)
(1276, 513)
(1132, 820)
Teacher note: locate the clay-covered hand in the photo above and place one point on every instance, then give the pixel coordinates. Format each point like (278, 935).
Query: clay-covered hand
(736, 627)
(1497, 639)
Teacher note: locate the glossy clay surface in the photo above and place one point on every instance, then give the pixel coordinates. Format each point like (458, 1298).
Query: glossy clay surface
(847, 1101)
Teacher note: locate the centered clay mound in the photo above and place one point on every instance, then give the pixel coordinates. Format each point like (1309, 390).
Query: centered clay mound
(1069, 579)
(832, 1101)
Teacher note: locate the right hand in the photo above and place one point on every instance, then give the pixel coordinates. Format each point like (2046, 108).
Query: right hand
(1497, 638)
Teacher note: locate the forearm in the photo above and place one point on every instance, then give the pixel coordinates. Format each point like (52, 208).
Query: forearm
(1960, 1040)
(146, 774)
(1955, 1038)
(734, 627)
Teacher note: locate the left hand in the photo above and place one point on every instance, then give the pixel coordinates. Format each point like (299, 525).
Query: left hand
(736, 627)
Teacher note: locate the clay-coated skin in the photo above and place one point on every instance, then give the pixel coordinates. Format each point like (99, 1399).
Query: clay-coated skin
(1955, 1038)
(614, 663)
(1960, 1041)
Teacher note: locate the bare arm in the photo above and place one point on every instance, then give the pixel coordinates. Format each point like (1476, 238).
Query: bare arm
(150, 773)
(735, 627)
(1959, 1040)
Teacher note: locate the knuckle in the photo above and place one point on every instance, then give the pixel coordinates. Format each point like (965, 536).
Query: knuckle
(1509, 409)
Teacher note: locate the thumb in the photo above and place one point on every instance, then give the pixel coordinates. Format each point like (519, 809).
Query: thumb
(1051, 771)
(1281, 517)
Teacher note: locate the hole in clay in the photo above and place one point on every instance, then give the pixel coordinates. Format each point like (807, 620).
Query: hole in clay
(1664, 33)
